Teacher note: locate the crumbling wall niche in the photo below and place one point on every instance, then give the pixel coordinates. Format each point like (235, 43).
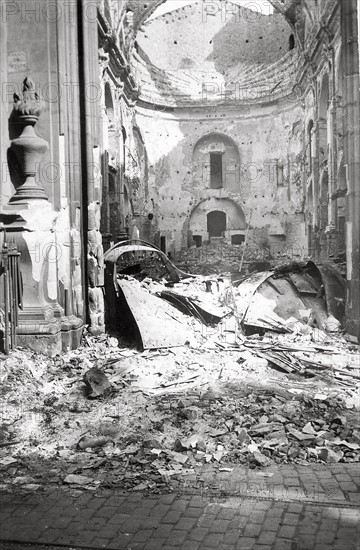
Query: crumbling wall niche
(261, 160)
(216, 217)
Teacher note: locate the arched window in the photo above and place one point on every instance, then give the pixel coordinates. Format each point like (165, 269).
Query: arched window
(217, 162)
(216, 170)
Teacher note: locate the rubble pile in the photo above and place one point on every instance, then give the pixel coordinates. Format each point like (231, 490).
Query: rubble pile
(218, 256)
(256, 372)
(109, 416)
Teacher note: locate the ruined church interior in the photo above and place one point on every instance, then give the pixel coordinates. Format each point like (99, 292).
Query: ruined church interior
(223, 132)
(179, 274)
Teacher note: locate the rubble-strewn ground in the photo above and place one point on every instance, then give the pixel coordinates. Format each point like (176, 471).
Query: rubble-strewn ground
(213, 401)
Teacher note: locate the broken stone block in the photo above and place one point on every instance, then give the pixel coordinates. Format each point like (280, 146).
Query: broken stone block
(23, 480)
(78, 480)
(339, 420)
(356, 436)
(260, 459)
(218, 455)
(152, 443)
(293, 452)
(332, 324)
(278, 435)
(262, 429)
(329, 456)
(97, 383)
(218, 433)
(92, 442)
(300, 436)
(243, 436)
(290, 410)
(200, 455)
(179, 447)
(308, 429)
(189, 414)
(279, 418)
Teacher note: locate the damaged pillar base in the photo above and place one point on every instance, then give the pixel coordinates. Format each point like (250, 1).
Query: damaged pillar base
(42, 325)
(39, 330)
(47, 333)
(71, 332)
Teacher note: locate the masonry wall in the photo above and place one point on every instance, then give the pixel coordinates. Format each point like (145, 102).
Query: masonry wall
(39, 43)
(266, 185)
(214, 36)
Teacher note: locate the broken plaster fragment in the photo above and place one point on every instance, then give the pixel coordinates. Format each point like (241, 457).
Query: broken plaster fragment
(260, 459)
(91, 442)
(73, 479)
(97, 383)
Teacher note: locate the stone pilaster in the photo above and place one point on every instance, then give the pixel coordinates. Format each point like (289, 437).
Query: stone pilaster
(39, 320)
(350, 61)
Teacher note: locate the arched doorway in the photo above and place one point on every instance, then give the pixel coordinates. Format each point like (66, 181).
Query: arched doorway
(215, 217)
(216, 223)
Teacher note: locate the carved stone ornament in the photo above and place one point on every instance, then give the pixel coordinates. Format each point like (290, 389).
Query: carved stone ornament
(28, 148)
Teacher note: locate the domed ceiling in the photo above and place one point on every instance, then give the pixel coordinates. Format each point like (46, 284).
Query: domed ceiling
(214, 52)
(142, 10)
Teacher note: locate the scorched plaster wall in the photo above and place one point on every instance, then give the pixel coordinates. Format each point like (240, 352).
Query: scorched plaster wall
(261, 150)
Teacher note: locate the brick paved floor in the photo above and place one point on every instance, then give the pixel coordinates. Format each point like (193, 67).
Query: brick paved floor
(284, 519)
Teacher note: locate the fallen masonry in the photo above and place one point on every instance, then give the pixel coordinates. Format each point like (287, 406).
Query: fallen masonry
(167, 412)
(200, 371)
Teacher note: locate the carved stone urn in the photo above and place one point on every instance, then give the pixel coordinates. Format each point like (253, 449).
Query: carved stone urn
(28, 148)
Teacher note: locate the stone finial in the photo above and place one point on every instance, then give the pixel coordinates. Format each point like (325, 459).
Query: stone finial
(28, 148)
(27, 104)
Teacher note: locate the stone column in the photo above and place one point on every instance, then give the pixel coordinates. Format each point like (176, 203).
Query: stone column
(29, 220)
(350, 61)
(90, 98)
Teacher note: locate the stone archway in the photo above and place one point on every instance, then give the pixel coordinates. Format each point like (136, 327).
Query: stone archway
(216, 217)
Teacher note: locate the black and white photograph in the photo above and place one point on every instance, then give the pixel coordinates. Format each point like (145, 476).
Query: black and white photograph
(179, 275)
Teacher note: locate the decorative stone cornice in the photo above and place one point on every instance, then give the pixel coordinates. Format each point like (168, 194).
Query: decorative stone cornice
(116, 61)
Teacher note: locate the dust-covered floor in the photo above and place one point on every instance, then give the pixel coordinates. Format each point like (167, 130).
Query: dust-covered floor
(162, 413)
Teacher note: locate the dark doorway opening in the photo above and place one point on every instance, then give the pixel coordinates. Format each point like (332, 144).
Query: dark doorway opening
(237, 239)
(216, 223)
(197, 240)
(216, 171)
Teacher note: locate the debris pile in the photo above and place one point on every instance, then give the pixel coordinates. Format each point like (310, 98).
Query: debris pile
(110, 416)
(257, 372)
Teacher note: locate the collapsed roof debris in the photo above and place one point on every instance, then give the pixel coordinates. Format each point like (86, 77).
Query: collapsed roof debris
(173, 410)
(255, 373)
(159, 324)
(283, 299)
